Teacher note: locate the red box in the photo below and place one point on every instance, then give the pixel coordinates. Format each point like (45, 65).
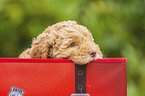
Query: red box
(56, 77)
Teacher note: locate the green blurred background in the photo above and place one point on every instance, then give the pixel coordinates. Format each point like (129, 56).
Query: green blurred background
(118, 26)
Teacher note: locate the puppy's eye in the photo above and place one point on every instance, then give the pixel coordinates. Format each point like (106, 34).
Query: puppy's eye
(72, 44)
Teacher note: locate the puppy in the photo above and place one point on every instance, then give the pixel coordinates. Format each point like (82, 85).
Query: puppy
(65, 39)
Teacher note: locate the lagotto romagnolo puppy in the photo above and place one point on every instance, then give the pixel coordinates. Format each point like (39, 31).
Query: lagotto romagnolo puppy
(65, 39)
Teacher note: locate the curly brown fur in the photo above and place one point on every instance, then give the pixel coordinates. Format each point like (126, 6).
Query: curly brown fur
(65, 39)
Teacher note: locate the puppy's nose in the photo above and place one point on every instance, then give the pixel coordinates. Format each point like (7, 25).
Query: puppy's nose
(92, 53)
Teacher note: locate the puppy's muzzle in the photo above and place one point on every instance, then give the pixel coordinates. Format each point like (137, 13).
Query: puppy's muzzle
(92, 53)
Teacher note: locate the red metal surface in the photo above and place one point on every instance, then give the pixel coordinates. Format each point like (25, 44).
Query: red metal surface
(106, 79)
(56, 77)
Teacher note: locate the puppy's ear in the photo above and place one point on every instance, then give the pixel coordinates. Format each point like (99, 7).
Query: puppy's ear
(39, 49)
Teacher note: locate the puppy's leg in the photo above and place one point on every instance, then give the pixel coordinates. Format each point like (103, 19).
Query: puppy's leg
(25, 54)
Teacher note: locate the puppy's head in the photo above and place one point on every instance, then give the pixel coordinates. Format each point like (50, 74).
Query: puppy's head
(66, 40)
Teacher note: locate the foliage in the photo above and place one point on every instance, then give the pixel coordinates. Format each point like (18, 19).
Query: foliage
(118, 26)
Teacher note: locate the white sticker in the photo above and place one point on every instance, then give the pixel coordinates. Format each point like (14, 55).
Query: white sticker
(16, 92)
